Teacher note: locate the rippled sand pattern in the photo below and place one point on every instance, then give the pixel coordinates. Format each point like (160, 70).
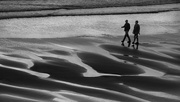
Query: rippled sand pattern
(88, 70)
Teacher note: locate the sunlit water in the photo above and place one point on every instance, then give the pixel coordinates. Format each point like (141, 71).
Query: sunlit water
(67, 26)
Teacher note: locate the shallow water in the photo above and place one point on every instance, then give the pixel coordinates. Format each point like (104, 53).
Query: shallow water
(100, 25)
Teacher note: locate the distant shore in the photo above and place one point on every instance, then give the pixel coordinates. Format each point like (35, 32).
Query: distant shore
(34, 5)
(48, 12)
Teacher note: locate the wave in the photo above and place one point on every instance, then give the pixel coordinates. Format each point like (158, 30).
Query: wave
(31, 12)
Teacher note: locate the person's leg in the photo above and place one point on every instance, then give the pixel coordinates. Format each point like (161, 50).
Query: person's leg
(124, 37)
(137, 39)
(134, 39)
(128, 37)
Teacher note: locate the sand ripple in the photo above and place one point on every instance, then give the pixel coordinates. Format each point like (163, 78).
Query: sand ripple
(98, 70)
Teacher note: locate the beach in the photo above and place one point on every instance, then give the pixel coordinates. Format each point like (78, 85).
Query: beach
(99, 69)
(76, 56)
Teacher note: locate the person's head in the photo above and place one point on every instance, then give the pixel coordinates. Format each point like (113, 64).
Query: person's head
(136, 21)
(126, 21)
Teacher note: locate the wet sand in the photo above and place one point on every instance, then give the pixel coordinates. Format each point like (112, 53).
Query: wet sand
(89, 69)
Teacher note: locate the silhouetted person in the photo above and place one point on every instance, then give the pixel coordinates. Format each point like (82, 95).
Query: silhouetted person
(126, 29)
(136, 32)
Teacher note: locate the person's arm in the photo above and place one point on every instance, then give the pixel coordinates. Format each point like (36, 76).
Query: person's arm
(123, 26)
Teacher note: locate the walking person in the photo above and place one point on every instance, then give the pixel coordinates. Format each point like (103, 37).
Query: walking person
(136, 32)
(126, 29)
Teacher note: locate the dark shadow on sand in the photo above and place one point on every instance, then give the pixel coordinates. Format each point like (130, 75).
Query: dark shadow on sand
(18, 78)
(149, 63)
(140, 54)
(68, 72)
(106, 65)
(59, 52)
(58, 68)
(152, 84)
(11, 63)
(174, 55)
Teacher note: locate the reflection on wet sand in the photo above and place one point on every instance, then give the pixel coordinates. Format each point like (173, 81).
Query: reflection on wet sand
(52, 71)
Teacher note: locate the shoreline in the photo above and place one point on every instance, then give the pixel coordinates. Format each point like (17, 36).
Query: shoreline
(143, 38)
